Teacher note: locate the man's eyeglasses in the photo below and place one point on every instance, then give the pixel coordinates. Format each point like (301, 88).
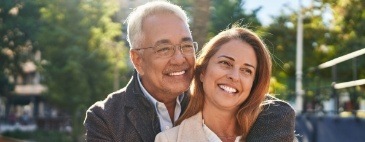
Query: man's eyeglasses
(168, 49)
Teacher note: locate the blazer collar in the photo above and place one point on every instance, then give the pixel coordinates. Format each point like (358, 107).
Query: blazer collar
(192, 128)
(135, 95)
(142, 114)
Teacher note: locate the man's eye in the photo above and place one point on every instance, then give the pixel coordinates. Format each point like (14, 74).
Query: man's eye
(187, 47)
(164, 49)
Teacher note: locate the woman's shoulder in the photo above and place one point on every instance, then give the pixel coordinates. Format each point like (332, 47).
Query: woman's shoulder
(189, 130)
(168, 135)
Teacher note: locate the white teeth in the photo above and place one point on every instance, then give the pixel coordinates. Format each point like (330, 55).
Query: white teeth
(228, 89)
(177, 73)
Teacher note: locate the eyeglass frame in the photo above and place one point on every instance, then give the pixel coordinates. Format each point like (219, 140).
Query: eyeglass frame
(195, 46)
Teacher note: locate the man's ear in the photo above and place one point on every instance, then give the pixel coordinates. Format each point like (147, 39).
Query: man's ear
(137, 60)
(201, 76)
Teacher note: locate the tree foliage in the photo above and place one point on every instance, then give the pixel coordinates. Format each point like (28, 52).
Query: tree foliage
(79, 42)
(226, 13)
(81, 49)
(18, 22)
(324, 39)
(349, 25)
(317, 48)
(209, 17)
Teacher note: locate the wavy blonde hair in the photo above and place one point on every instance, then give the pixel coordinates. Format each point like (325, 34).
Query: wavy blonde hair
(251, 107)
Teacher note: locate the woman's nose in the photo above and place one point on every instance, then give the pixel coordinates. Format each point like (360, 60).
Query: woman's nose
(233, 74)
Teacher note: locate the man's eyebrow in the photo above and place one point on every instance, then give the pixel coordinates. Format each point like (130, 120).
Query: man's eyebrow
(230, 58)
(168, 41)
(187, 39)
(163, 41)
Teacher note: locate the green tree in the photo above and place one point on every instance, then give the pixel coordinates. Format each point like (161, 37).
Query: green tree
(318, 47)
(324, 39)
(349, 24)
(225, 13)
(199, 13)
(18, 22)
(209, 17)
(79, 43)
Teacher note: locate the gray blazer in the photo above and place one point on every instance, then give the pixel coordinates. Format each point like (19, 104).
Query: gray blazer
(126, 115)
(275, 123)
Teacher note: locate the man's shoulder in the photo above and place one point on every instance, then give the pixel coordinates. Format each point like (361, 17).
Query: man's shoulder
(274, 123)
(277, 106)
(115, 99)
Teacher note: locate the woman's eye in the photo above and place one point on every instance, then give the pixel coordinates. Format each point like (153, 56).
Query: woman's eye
(225, 63)
(247, 71)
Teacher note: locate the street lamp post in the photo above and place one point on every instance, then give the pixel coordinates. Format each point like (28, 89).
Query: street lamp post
(299, 62)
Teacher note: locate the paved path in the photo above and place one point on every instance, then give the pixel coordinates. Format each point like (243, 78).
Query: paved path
(7, 139)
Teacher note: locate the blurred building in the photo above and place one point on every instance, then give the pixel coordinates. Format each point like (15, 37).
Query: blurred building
(25, 108)
(26, 97)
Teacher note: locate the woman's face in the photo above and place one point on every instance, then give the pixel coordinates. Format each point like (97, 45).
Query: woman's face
(229, 76)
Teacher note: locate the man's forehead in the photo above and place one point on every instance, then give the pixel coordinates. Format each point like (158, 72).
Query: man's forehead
(165, 28)
(184, 39)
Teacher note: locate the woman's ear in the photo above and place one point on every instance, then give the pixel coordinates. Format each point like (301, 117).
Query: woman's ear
(137, 60)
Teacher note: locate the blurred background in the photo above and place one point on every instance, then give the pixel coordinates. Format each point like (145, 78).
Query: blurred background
(58, 57)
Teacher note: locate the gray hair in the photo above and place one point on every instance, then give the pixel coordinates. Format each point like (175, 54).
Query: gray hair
(135, 19)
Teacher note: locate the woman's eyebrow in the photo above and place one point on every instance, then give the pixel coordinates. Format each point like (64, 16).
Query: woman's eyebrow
(230, 58)
(224, 56)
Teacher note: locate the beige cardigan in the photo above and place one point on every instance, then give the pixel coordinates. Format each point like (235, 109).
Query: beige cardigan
(275, 123)
(190, 129)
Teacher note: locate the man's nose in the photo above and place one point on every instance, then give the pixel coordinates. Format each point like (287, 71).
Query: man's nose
(178, 57)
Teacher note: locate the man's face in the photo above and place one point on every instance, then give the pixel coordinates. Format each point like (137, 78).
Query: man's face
(164, 77)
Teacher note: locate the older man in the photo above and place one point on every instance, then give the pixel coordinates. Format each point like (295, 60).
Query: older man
(163, 54)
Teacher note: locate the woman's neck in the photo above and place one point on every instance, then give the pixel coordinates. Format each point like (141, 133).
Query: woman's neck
(222, 122)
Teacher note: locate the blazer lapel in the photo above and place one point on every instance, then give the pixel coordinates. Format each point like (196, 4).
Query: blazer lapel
(142, 114)
(192, 129)
(185, 102)
(142, 123)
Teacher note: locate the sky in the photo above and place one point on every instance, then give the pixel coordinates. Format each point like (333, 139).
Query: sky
(272, 7)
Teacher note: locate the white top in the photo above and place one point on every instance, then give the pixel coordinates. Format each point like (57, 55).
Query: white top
(212, 137)
(160, 108)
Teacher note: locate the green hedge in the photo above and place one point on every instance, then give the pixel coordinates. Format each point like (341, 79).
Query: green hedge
(40, 136)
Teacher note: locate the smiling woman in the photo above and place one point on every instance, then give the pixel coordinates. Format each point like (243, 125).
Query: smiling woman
(229, 100)
(229, 76)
